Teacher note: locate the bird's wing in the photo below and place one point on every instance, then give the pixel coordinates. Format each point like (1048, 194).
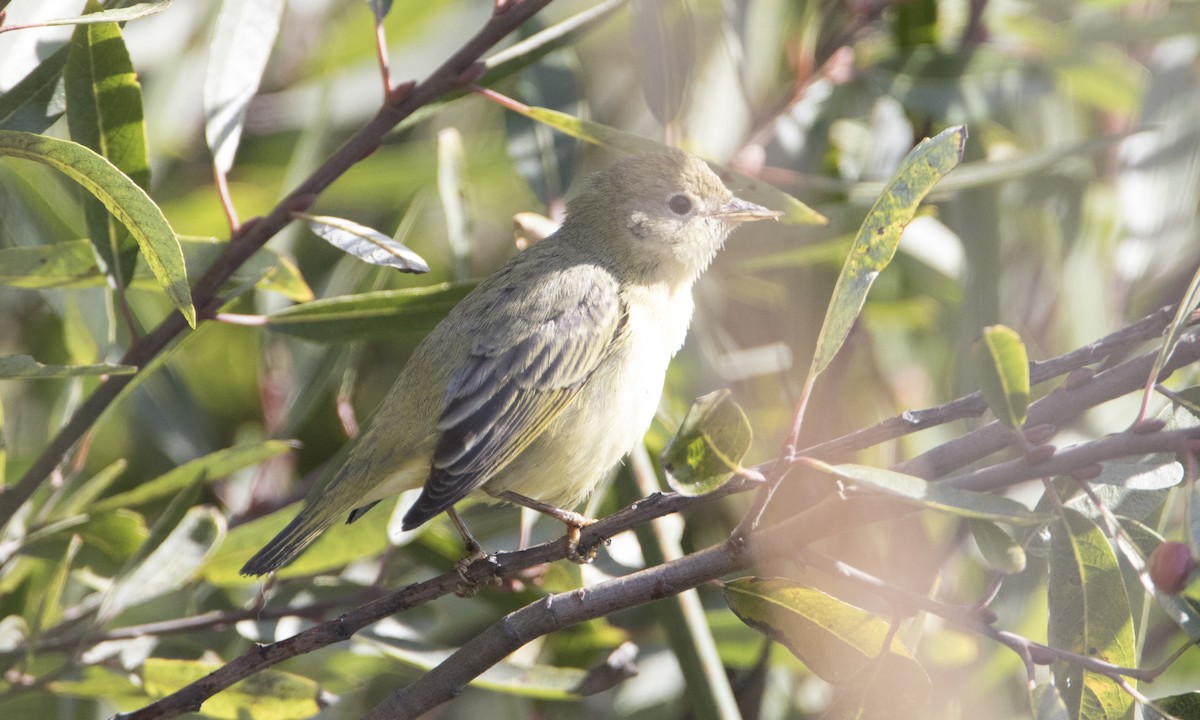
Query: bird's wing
(522, 371)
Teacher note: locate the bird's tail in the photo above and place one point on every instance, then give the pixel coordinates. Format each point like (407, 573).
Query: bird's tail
(292, 540)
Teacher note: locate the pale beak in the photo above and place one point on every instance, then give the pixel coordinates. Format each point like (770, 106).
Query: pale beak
(738, 210)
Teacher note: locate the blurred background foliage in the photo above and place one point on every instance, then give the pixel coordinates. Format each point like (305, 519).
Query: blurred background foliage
(1074, 212)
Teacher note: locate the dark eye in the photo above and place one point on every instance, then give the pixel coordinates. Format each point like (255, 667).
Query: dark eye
(680, 204)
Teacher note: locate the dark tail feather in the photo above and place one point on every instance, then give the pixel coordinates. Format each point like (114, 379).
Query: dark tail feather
(289, 543)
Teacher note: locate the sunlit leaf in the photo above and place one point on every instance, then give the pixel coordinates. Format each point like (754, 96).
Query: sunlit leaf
(335, 548)
(51, 610)
(242, 42)
(932, 495)
(1002, 367)
(23, 366)
(366, 244)
(709, 446)
(270, 693)
(840, 643)
(172, 563)
(384, 314)
(124, 14)
(104, 113)
(452, 191)
(123, 198)
(1089, 615)
(880, 233)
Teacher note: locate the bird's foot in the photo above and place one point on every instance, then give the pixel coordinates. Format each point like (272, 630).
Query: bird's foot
(469, 586)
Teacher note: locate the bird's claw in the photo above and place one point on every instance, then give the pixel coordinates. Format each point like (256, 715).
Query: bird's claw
(577, 555)
(469, 587)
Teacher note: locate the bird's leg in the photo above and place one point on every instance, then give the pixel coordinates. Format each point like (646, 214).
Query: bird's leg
(474, 552)
(573, 520)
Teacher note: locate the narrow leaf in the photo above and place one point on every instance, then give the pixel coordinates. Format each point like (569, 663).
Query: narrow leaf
(125, 14)
(935, 496)
(709, 446)
(38, 100)
(1089, 615)
(794, 211)
(1002, 553)
(880, 233)
(51, 610)
(242, 42)
(545, 682)
(370, 315)
(664, 45)
(211, 467)
(1002, 367)
(104, 114)
(838, 642)
(335, 548)
(123, 198)
(366, 244)
(24, 366)
(266, 694)
(452, 192)
(168, 566)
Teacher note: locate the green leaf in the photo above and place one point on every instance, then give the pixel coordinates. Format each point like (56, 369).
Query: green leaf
(1184, 706)
(51, 602)
(79, 500)
(3, 447)
(838, 642)
(68, 264)
(384, 314)
(104, 114)
(118, 534)
(543, 682)
(24, 366)
(365, 243)
(268, 694)
(125, 14)
(880, 233)
(935, 496)
(123, 198)
(168, 566)
(72, 264)
(794, 211)
(100, 683)
(1089, 615)
(242, 42)
(1002, 553)
(335, 548)
(39, 99)
(211, 467)
(1002, 367)
(709, 447)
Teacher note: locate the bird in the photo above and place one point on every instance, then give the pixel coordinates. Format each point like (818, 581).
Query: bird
(547, 374)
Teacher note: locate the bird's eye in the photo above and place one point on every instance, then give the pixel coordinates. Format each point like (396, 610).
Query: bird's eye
(680, 204)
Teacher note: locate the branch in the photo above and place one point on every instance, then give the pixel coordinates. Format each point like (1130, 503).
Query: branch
(555, 612)
(451, 75)
(1121, 341)
(479, 572)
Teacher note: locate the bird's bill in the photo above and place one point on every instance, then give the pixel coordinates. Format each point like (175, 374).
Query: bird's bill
(739, 210)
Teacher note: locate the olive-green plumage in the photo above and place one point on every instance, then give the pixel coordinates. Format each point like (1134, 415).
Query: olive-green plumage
(542, 378)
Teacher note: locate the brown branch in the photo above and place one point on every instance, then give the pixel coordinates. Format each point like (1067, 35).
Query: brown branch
(501, 565)
(569, 608)
(450, 76)
(1121, 341)
(1058, 407)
